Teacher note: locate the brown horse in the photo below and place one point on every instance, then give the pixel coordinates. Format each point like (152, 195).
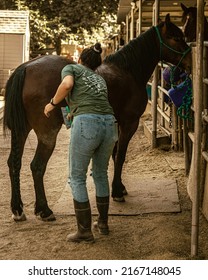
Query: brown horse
(189, 19)
(126, 72)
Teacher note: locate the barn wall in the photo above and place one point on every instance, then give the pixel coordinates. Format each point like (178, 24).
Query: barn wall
(11, 54)
(14, 41)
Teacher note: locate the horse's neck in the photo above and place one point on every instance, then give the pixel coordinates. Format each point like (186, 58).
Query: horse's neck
(139, 57)
(147, 56)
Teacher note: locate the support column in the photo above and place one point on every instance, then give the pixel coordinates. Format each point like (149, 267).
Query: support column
(155, 83)
(198, 127)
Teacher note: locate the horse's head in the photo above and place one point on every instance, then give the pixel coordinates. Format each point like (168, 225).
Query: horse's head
(173, 47)
(189, 17)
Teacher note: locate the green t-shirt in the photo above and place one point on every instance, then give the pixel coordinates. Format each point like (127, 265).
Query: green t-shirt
(89, 93)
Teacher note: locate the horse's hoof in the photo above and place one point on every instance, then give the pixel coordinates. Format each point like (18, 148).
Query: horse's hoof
(19, 218)
(50, 218)
(119, 199)
(124, 192)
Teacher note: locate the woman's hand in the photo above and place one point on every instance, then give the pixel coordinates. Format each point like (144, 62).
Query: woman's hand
(61, 93)
(48, 108)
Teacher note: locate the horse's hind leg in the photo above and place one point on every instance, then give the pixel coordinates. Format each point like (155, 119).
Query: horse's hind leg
(126, 132)
(38, 166)
(14, 163)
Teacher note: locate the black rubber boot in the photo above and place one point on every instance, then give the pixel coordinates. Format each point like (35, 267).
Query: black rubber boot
(83, 216)
(102, 222)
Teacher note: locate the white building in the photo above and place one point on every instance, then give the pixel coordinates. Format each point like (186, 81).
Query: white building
(14, 41)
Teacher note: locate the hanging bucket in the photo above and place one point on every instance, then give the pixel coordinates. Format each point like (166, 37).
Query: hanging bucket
(179, 92)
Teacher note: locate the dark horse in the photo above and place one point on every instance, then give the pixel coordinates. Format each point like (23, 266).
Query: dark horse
(189, 19)
(126, 72)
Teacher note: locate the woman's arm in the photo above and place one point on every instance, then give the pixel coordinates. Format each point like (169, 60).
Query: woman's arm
(63, 90)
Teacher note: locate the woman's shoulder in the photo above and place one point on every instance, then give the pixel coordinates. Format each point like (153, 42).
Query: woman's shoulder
(71, 69)
(71, 66)
(76, 67)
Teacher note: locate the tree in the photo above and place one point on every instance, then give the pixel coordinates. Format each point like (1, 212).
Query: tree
(86, 14)
(7, 4)
(52, 21)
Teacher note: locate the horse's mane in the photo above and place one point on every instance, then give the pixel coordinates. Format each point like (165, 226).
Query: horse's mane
(136, 54)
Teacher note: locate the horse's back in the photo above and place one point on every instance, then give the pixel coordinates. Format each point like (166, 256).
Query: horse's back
(43, 75)
(45, 70)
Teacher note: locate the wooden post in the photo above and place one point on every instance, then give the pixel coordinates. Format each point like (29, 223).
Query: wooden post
(174, 128)
(140, 17)
(198, 125)
(132, 21)
(127, 29)
(186, 146)
(154, 87)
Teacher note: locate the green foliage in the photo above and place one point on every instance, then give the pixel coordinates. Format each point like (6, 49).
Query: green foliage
(52, 21)
(7, 4)
(87, 14)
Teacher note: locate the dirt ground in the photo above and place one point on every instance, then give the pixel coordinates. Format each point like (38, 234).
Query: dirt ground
(155, 236)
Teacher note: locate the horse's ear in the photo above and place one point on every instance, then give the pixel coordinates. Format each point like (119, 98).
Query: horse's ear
(167, 19)
(184, 8)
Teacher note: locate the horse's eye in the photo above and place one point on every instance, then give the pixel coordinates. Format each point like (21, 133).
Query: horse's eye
(178, 39)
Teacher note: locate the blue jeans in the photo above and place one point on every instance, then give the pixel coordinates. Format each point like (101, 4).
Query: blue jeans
(93, 137)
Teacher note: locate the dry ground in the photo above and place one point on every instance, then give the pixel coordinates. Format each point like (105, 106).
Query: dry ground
(164, 236)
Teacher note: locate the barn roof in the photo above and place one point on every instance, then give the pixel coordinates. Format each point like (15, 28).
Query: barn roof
(171, 6)
(14, 21)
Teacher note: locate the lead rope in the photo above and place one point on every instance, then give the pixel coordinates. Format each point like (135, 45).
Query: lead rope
(171, 114)
(184, 111)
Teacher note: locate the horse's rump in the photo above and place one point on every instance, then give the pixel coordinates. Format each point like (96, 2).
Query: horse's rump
(29, 89)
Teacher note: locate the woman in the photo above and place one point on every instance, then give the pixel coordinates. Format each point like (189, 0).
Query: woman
(93, 136)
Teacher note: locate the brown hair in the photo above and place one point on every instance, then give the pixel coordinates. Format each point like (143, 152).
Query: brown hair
(91, 57)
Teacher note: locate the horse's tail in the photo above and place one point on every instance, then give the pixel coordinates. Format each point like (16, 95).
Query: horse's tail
(14, 112)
